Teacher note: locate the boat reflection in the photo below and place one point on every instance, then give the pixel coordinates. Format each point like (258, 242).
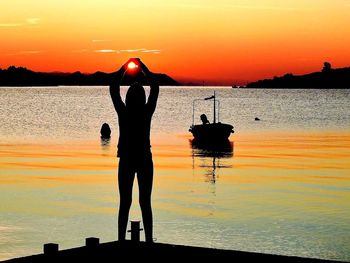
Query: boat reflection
(212, 157)
(222, 149)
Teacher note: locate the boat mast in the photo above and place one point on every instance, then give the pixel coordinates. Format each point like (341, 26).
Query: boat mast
(193, 113)
(214, 109)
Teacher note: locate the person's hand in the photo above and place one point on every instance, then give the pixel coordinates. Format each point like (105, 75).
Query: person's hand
(120, 73)
(124, 67)
(140, 66)
(143, 66)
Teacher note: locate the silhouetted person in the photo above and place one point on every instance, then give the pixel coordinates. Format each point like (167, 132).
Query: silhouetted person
(105, 131)
(327, 67)
(134, 150)
(204, 119)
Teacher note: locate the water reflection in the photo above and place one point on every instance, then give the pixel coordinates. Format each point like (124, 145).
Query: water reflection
(210, 156)
(222, 149)
(105, 144)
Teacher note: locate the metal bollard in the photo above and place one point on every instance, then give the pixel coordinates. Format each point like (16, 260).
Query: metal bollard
(50, 249)
(135, 231)
(92, 242)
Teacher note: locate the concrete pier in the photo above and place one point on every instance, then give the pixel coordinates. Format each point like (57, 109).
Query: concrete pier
(133, 251)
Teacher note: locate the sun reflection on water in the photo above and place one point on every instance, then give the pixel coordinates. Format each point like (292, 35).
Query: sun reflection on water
(288, 181)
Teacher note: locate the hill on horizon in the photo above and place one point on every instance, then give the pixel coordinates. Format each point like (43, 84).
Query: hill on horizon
(328, 78)
(21, 76)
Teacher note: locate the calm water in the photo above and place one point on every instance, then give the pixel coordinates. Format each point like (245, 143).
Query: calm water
(283, 187)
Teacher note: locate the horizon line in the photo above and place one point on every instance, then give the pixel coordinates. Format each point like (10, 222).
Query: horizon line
(180, 79)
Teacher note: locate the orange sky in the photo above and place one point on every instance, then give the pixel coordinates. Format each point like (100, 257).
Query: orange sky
(217, 41)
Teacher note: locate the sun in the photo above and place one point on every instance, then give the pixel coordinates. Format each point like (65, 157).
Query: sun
(132, 65)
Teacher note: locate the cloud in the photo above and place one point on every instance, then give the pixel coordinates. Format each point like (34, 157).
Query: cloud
(106, 51)
(131, 50)
(155, 51)
(33, 21)
(254, 7)
(260, 7)
(10, 24)
(143, 50)
(25, 52)
(139, 50)
(28, 21)
(100, 40)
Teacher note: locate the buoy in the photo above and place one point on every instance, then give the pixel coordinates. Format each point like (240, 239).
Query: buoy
(105, 131)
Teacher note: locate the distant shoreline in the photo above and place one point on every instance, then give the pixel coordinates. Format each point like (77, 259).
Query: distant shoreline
(23, 77)
(328, 78)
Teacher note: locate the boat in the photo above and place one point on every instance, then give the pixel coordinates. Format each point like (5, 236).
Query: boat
(210, 132)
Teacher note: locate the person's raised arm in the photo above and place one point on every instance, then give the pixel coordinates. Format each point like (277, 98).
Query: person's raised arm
(153, 96)
(114, 89)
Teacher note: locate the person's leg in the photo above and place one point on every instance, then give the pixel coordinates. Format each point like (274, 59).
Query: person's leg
(126, 174)
(145, 181)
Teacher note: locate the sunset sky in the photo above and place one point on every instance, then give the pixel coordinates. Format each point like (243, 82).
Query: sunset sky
(219, 42)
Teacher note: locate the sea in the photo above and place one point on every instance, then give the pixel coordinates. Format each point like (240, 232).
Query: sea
(281, 187)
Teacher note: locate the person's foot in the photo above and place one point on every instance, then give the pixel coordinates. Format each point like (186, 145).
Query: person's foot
(150, 240)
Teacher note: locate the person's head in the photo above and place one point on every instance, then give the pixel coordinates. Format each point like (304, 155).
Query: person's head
(204, 119)
(135, 97)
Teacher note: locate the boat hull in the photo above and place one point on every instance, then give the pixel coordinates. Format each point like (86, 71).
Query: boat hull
(211, 132)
